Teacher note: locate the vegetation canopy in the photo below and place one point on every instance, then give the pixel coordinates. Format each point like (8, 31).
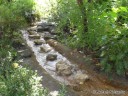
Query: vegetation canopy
(100, 26)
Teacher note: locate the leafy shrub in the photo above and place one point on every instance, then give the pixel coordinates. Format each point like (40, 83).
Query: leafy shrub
(13, 15)
(107, 30)
(21, 82)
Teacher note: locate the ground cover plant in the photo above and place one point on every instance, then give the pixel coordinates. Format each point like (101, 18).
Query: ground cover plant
(15, 80)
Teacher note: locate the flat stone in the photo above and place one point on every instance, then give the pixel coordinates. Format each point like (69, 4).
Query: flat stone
(45, 48)
(39, 42)
(44, 24)
(81, 78)
(51, 57)
(64, 69)
(47, 35)
(40, 28)
(34, 28)
(34, 36)
(32, 32)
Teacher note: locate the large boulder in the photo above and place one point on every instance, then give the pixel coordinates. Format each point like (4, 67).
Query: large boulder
(45, 48)
(81, 78)
(39, 42)
(64, 69)
(51, 57)
(34, 36)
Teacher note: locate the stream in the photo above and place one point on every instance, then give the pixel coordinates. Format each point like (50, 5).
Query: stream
(49, 66)
(85, 83)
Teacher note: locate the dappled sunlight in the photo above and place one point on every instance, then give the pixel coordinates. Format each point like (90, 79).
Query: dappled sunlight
(45, 6)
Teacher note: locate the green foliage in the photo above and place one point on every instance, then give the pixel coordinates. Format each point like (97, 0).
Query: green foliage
(63, 91)
(21, 82)
(16, 80)
(107, 30)
(13, 14)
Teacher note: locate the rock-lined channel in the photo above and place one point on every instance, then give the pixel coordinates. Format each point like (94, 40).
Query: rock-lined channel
(53, 62)
(60, 68)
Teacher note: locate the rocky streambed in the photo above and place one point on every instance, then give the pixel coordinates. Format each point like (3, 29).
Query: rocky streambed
(47, 53)
(53, 62)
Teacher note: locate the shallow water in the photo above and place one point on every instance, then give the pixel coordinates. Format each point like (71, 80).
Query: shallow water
(49, 66)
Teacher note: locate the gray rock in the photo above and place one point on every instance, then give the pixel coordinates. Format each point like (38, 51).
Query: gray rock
(32, 32)
(34, 28)
(34, 36)
(26, 53)
(48, 35)
(38, 42)
(64, 69)
(45, 48)
(81, 78)
(40, 28)
(44, 24)
(51, 57)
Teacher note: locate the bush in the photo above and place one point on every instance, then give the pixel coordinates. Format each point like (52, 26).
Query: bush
(106, 34)
(21, 82)
(13, 15)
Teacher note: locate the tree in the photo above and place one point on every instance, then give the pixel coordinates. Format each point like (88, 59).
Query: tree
(84, 16)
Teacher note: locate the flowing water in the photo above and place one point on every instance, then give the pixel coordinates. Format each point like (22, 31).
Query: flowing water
(94, 85)
(49, 66)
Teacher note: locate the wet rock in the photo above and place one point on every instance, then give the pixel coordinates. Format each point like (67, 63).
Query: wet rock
(39, 42)
(34, 28)
(64, 69)
(40, 28)
(26, 53)
(51, 57)
(47, 36)
(32, 32)
(45, 48)
(44, 24)
(34, 36)
(81, 78)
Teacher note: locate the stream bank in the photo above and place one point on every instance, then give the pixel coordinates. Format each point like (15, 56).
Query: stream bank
(28, 59)
(96, 83)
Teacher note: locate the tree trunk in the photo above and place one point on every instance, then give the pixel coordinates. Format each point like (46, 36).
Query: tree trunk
(84, 16)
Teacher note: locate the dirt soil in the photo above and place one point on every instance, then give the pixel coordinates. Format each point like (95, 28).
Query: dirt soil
(99, 83)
